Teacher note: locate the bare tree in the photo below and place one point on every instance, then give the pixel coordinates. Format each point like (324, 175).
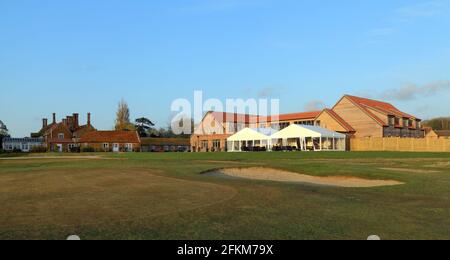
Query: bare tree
(123, 122)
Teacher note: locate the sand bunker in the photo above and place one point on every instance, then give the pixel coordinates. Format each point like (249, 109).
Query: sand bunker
(268, 174)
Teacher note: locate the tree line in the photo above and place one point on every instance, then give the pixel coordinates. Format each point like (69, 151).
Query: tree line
(144, 126)
(441, 123)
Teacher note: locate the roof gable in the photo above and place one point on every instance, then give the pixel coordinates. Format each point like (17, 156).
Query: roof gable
(362, 108)
(338, 119)
(383, 107)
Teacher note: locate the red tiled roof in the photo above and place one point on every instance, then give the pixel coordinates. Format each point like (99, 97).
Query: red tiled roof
(383, 107)
(340, 120)
(299, 116)
(241, 118)
(111, 137)
(82, 130)
(232, 117)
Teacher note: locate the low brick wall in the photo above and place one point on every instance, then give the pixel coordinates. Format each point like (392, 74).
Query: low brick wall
(400, 144)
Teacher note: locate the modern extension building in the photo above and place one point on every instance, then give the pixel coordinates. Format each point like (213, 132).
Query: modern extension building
(21, 144)
(165, 144)
(212, 133)
(352, 116)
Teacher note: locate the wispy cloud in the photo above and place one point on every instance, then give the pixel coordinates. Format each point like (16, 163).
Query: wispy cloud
(315, 105)
(267, 92)
(408, 13)
(423, 9)
(412, 91)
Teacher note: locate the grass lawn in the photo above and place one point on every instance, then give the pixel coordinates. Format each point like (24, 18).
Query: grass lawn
(164, 196)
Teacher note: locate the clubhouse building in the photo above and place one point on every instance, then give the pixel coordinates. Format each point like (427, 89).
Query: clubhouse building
(351, 116)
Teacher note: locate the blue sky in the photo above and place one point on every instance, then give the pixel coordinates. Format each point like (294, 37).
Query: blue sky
(84, 56)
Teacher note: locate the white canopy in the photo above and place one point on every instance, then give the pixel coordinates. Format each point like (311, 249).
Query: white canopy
(305, 131)
(248, 134)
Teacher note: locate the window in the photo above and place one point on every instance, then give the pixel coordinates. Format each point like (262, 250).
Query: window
(405, 122)
(216, 144)
(60, 136)
(72, 146)
(318, 123)
(129, 147)
(204, 144)
(391, 121)
(105, 146)
(24, 146)
(284, 125)
(240, 126)
(397, 121)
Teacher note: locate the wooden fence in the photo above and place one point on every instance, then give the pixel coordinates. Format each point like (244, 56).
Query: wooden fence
(400, 144)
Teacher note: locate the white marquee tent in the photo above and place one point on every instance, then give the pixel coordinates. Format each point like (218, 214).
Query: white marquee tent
(249, 137)
(305, 137)
(296, 137)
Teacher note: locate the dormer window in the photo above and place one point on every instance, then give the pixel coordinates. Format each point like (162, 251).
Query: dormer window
(391, 121)
(61, 136)
(405, 122)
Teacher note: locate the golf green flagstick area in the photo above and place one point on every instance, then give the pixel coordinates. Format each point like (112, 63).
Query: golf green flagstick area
(169, 196)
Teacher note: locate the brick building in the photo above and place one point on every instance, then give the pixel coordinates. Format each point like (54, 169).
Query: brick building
(112, 141)
(63, 136)
(353, 116)
(68, 135)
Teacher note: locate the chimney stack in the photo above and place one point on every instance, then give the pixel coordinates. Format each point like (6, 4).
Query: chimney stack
(54, 118)
(44, 122)
(89, 119)
(64, 121)
(76, 123)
